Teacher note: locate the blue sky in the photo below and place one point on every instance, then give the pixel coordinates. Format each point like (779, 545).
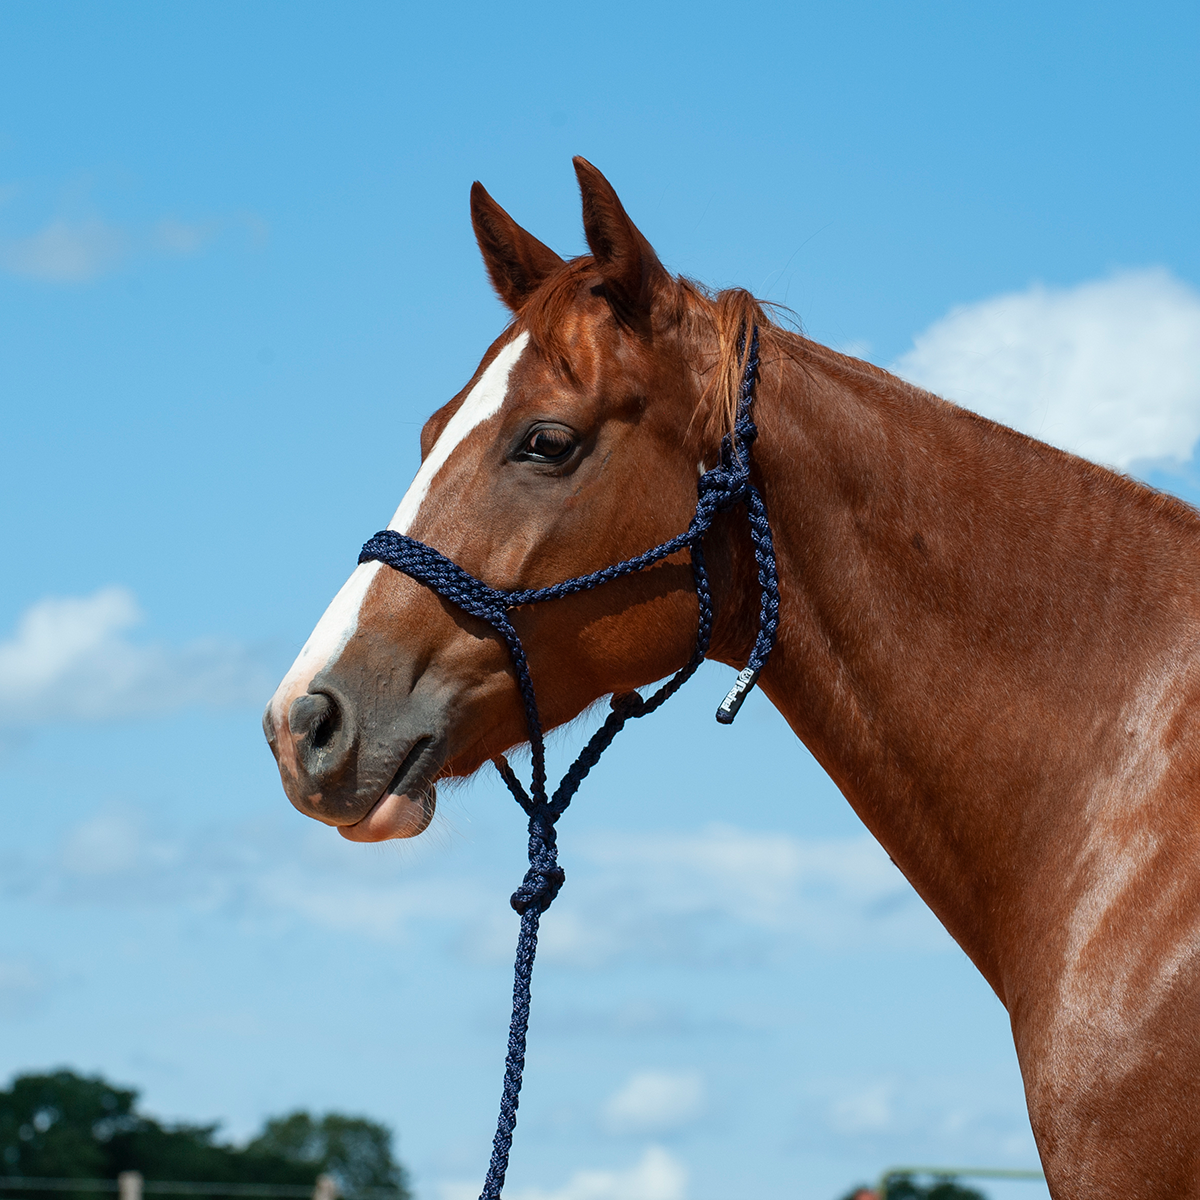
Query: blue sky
(236, 274)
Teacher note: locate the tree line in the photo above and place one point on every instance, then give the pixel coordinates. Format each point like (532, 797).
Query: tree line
(67, 1126)
(904, 1187)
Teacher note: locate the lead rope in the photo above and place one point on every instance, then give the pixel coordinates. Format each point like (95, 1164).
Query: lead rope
(720, 489)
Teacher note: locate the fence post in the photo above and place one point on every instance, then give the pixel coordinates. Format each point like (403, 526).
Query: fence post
(326, 1188)
(129, 1185)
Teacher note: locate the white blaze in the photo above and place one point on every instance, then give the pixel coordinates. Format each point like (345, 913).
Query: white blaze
(484, 399)
(340, 620)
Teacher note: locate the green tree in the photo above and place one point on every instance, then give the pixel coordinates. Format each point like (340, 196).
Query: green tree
(64, 1125)
(61, 1124)
(904, 1187)
(357, 1152)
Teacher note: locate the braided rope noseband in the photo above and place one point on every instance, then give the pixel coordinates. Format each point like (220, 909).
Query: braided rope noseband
(726, 485)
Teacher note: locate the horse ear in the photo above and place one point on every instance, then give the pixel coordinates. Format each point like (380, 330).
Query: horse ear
(624, 258)
(516, 261)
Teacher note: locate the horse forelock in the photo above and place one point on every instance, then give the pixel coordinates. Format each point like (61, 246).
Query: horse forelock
(711, 325)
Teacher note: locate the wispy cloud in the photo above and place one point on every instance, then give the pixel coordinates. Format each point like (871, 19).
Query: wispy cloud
(288, 871)
(657, 1176)
(1109, 369)
(23, 987)
(712, 898)
(930, 1117)
(870, 1109)
(79, 250)
(723, 894)
(655, 1102)
(66, 251)
(181, 238)
(72, 658)
(642, 1018)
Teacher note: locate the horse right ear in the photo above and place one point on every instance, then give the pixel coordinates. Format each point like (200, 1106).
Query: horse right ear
(625, 260)
(516, 261)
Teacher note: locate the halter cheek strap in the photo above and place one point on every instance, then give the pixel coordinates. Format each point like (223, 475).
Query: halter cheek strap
(720, 489)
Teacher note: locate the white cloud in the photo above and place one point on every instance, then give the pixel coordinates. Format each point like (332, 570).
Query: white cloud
(1109, 369)
(655, 1102)
(869, 1110)
(80, 250)
(182, 238)
(931, 1117)
(72, 659)
(648, 1019)
(658, 1176)
(287, 871)
(114, 842)
(66, 251)
(23, 987)
(724, 894)
(715, 898)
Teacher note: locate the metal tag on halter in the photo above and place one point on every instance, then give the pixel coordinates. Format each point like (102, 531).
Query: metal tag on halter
(741, 687)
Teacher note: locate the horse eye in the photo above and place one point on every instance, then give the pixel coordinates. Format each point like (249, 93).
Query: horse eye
(548, 445)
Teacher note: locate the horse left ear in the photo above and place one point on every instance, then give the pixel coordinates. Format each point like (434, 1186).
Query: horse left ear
(626, 261)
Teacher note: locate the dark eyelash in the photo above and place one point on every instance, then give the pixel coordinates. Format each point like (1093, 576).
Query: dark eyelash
(560, 445)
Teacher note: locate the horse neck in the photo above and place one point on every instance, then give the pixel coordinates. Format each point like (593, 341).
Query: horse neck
(973, 624)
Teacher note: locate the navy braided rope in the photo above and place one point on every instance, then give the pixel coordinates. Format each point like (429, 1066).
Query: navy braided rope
(726, 485)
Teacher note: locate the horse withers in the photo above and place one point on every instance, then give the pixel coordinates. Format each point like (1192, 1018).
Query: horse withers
(992, 646)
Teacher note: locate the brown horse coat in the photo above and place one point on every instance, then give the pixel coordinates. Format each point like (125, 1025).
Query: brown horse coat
(989, 644)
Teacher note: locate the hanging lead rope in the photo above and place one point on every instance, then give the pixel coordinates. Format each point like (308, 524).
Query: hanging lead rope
(726, 485)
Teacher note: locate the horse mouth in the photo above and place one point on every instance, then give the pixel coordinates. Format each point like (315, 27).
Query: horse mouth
(407, 804)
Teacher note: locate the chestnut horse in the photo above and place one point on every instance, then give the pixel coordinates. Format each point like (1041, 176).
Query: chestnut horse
(989, 644)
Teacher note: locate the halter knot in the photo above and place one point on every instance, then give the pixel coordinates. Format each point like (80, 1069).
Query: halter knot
(628, 704)
(723, 487)
(545, 877)
(538, 889)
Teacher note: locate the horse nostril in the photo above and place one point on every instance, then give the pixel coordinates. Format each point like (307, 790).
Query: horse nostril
(315, 717)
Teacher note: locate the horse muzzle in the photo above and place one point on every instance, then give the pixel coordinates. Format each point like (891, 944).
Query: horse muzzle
(372, 778)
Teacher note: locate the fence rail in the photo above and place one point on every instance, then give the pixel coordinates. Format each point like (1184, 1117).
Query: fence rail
(131, 1186)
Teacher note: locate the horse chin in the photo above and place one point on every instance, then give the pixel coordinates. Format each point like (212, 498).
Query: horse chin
(407, 803)
(394, 815)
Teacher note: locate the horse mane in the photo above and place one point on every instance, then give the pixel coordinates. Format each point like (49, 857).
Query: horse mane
(708, 319)
(1107, 480)
(712, 321)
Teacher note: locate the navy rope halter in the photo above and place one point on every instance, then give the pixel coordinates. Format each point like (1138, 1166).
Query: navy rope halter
(726, 485)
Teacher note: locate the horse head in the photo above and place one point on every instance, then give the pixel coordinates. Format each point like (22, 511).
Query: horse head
(577, 443)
